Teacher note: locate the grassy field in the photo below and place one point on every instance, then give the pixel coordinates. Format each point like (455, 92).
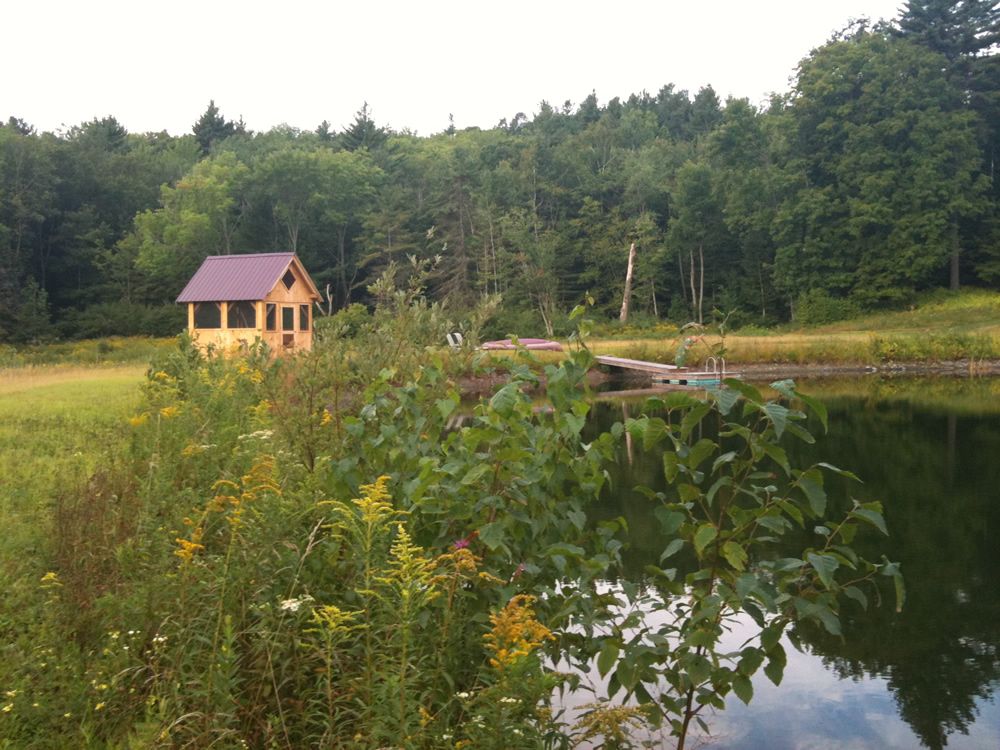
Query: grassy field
(56, 424)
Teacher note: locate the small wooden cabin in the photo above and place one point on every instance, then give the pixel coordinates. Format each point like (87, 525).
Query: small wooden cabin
(235, 299)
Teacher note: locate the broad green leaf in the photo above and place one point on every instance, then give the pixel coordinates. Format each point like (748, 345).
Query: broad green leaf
(670, 520)
(792, 511)
(825, 566)
(773, 523)
(446, 406)
(873, 517)
(735, 555)
(857, 595)
(900, 591)
(672, 549)
(491, 534)
(769, 637)
(726, 398)
(475, 474)
(670, 466)
(775, 667)
(699, 452)
(800, 432)
(725, 458)
(750, 660)
(688, 492)
(778, 415)
(819, 409)
(627, 674)
(811, 483)
(785, 387)
(829, 619)
(716, 486)
(698, 668)
(777, 453)
(705, 638)
(504, 400)
(608, 657)
(705, 534)
(745, 389)
(680, 400)
(656, 430)
(692, 418)
(565, 549)
(743, 688)
(578, 518)
(842, 472)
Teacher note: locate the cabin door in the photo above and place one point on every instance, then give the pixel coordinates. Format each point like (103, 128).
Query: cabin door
(288, 326)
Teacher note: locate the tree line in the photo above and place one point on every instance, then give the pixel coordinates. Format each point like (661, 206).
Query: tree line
(870, 181)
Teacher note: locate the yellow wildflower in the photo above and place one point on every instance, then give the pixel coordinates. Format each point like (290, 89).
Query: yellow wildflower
(515, 632)
(187, 550)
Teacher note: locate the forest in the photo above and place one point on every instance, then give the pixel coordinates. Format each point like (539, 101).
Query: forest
(870, 181)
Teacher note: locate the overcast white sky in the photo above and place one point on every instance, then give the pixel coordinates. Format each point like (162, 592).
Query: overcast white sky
(155, 65)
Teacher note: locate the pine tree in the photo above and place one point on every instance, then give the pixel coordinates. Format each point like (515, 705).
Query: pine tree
(363, 132)
(213, 127)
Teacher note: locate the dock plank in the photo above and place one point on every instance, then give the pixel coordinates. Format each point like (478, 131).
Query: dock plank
(668, 374)
(636, 364)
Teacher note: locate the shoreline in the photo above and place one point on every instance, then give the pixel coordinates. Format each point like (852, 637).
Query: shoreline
(476, 385)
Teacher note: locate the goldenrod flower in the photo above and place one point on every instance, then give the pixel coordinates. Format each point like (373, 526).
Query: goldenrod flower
(187, 550)
(516, 632)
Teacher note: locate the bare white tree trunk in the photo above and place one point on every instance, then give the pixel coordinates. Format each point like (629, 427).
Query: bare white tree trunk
(627, 298)
(701, 285)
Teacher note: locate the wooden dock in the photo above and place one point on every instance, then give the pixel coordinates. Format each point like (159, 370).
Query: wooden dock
(671, 374)
(637, 365)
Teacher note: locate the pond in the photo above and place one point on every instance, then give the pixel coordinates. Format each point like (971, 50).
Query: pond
(929, 450)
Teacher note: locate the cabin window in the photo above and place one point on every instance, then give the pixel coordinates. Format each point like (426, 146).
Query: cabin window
(271, 317)
(303, 317)
(208, 315)
(242, 314)
(288, 279)
(287, 318)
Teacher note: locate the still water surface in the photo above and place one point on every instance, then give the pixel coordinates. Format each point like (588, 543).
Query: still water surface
(929, 450)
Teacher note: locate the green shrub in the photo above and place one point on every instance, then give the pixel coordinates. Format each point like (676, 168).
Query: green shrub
(817, 307)
(317, 555)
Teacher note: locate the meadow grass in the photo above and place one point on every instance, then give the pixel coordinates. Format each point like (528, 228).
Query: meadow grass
(56, 424)
(938, 326)
(115, 350)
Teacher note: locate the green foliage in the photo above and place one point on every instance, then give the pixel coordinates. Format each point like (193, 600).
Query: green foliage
(817, 307)
(332, 550)
(725, 511)
(885, 164)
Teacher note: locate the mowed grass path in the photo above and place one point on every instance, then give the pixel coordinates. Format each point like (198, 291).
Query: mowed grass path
(56, 424)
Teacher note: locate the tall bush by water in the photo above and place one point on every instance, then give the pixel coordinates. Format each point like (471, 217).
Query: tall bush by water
(328, 550)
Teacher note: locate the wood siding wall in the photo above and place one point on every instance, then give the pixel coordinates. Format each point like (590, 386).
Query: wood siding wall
(279, 340)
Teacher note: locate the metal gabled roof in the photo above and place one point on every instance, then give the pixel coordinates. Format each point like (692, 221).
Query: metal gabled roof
(233, 278)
